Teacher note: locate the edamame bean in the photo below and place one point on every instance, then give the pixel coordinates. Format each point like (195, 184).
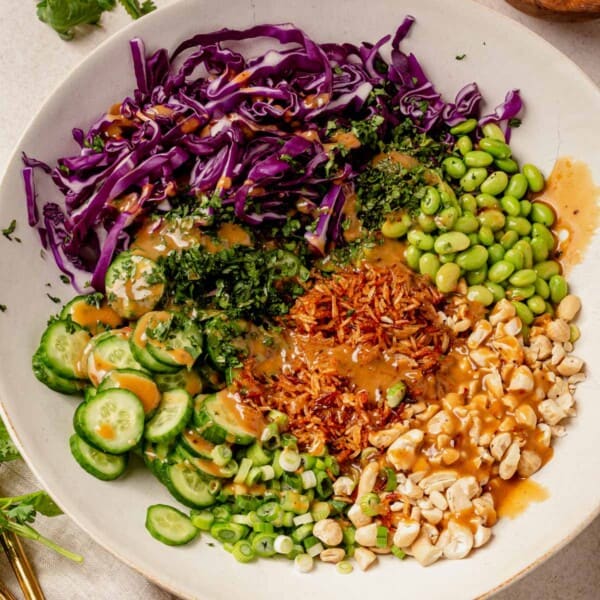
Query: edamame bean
(487, 201)
(539, 249)
(486, 236)
(468, 203)
(447, 258)
(495, 147)
(478, 158)
(523, 312)
(542, 288)
(525, 208)
(472, 259)
(495, 184)
(559, 288)
(536, 305)
(479, 293)
(473, 238)
(477, 277)
(447, 195)
(500, 271)
(453, 241)
(431, 201)
(468, 223)
(515, 257)
(426, 222)
(547, 269)
(473, 179)
(464, 144)
(534, 177)
(454, 167)
(412, 256)
(496, 289)
(511, 206)
(509, 239)
(464, 127)
(517, 186)
(420, 239)
(492, 218)
(491, 130)
(575, 333)
(447, 277)
(549, 309)
(508, 165)
(396, 228)
(540, 230)
(446, 218)
(519, 224)
(523, 278)
(429, 264)
(542, 213)
(496, 253)
(520, 293)
(525, 248)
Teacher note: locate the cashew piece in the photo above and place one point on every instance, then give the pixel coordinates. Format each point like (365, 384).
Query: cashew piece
(329, 532)
(459, 541)
(508, 466)
(568, 307)
(364, 558)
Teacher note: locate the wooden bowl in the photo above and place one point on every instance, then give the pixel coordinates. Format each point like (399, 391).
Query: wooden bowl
(568, 10)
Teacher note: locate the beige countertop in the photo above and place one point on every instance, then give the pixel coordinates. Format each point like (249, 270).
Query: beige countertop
(32, 62)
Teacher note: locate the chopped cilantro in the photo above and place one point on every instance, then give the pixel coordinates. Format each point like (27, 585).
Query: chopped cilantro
(65, 279)
(3, 307)
(54, 299)
(8, 231)
(514, 122)
(460, 56)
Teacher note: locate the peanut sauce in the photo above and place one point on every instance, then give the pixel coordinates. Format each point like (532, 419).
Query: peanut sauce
(513, 497)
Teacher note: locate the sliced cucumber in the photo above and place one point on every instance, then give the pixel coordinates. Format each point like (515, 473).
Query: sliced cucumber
(62, 348)
(195, 444)
(110, 354)
(113, 420)
(138, 382)
(91, 313)
(99, 464)
(138, 343)
(208, 467)
(220, 419)
(175, 340)
(189, 380)
(212, 379)
(169, 525)
(52, 380)
(173, 414)
(134, 285)
(156, 458)
(189, 487)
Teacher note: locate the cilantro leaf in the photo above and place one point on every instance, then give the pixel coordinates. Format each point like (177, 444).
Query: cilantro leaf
(8, 231)
(8, 451)
(65, 15)
(136, 10)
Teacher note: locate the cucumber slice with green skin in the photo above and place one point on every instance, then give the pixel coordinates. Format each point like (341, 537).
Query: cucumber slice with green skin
(138, 382)
(187, 485)
(91, 313)
(50, 379)
(110, 354)
(89, 393)
(62, 347)
(139, 342)
(189, 380)
(172, 415)
(156, 458)
(134, 285)
(174, 340)
(112, 421)
(169, 525)
(208, 467)
(193, 442)
(221, 419)
(97, 463)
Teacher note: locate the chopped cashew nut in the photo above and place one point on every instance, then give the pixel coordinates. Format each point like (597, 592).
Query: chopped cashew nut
(328, 531)
(366, 535)
(458, 542)
(406, 533)
(364, 558)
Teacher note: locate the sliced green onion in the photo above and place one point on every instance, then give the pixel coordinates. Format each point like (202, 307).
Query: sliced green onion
(221, 455)
(283, 544)
(344, 567)
(302, 532)
(262, 527)
(245, 503)
(332, 465)
(263, 544)
(339, 507)
(269, 511)
(294, 502)
(228, 547)
(320, 511)
(304, 563)
(391, 481)
(308, 461)
(276, 466)
(244, 469)
(309, 479)
(280, 419)
(349, 534)
(368, 453)
(202, 520)
(324, 486)
(370, 504)
(221, 513)
(253, 476)
(241, 520)
(288, 519)
(289, 441)
(292, 481)
(243, 552)
(382, 536)
(395, 394)
(228, 532)
(267, 473)
(289, 460)
(270, 436)
(303, 519)
(296, 551)
(313, 546)
(257, 455)
(319, 465)
(398, 552)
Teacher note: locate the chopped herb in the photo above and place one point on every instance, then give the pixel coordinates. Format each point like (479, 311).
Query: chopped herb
(54, 299)
(3, 307)
(94, 299)
(8, 231)
(514, 122)
(65, 279)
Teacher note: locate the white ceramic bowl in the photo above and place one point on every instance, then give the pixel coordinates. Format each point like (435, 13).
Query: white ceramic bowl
(561, 119)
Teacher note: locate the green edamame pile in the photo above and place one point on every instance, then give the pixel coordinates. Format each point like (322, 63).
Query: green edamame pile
(479, 223)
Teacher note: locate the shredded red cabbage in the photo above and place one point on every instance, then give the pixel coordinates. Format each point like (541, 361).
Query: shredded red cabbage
(248, 131)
